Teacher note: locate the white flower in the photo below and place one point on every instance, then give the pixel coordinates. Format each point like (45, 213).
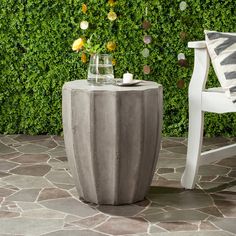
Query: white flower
(181, 56)
(183, 5)
(84, 25)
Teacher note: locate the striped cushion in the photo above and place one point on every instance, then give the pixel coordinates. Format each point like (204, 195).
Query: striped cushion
(222, 50)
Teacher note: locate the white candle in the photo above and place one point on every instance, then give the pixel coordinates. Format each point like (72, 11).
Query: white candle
(127, 78)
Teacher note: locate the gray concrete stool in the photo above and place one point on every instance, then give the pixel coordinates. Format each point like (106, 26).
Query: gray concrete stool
(112, 138)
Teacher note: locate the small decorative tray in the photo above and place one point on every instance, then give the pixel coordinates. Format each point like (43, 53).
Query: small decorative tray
(119, 82)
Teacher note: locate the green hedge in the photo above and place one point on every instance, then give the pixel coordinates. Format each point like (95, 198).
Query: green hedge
(36, 56)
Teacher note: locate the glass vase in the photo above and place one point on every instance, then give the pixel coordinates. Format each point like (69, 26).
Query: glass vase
(100, 70)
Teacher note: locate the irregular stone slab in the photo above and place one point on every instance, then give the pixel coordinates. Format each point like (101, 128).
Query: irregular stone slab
(206, 170)
(231, 189)
(71, 218)
(170, 163)
(121, 226)
(165, 170)
(210, 186)
(10, 155)
(6, 165)
(229, 162)
(227, 224)
(58, 138)
(4, 192)
(32, 158)
(57, 149)
(123, 210)
(2, 183)
(52, 193)
(232, 173)
(214, 141)
(24, 195)
(172, 155)
(63, 159)
(178, 149)
(200, 233)
(224, 195)
(162, 182)
(70, 206)
(74, 233)
(172, 176)
(58, 165)
(28, 138)
(23, 181)
(7, 140)
(46, 143)
(32, 148)
(182, 200)
(205, 225)
(12, 187)
(57, 152)
(165, 143)
(155, 229)
(27, 226)
(206, 178)
(64, 186)
(74, 193)
(153, 209)
(43, 214)
(178, 226)
(33, 170)
(228, 208)
(4, 149)
(178, 215)
(61, 143)
(72, 227)
(92, 221)
(28, 205)
(223, 179)
(60, 177)
(211, 211)
(4, 174)
(8, 214)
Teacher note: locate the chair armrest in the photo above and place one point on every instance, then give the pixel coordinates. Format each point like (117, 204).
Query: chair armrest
(197, 44)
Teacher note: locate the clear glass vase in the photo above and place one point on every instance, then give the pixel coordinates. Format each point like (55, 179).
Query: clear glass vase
(100, 70)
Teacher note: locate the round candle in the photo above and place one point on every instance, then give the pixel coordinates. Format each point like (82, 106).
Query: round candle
(127, 77)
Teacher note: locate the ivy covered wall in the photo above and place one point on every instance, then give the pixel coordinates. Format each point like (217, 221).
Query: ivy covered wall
(36, 56)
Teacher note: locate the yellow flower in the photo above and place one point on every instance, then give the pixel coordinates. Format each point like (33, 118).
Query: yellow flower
(78, 44)
(112, 15)
(83, 58)
(84, 8)
(111, 2)
(111, 46)
(113, 62)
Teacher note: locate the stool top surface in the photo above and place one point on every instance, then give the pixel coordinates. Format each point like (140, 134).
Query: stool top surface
(84, 85)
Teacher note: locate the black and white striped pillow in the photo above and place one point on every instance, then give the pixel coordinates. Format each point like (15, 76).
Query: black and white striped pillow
(222, 50)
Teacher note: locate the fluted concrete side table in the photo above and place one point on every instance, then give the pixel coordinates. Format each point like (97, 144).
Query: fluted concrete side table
(112, 137)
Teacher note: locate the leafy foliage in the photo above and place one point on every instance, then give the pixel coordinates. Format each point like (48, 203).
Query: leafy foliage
(36, 56)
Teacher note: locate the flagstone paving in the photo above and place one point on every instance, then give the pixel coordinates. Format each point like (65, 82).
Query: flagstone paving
(38, 195)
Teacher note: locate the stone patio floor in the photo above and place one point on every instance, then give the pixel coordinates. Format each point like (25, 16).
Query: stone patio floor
(38, 197)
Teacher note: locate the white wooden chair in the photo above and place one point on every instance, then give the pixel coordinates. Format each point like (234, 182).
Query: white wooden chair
(203, 100)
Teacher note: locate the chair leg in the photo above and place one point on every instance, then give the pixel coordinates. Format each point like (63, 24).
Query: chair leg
(196, 122)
